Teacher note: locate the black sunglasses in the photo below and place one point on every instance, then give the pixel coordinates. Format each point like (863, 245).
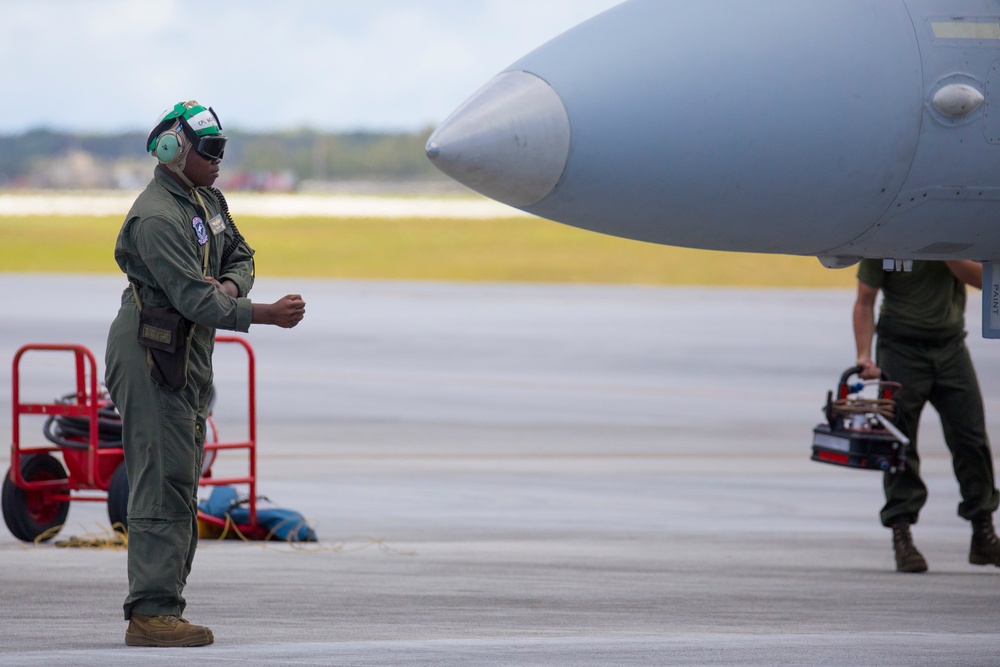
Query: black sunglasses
(211, 147)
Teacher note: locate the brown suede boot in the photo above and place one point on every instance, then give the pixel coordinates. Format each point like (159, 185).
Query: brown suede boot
(985, 548)
(908, 559)
(165, 631)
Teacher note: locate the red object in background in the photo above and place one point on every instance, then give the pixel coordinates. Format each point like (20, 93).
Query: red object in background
(38, 488)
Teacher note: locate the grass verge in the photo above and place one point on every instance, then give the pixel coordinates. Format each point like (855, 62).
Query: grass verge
(517, 249)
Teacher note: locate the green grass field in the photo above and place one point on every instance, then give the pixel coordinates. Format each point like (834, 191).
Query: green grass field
(517, 249)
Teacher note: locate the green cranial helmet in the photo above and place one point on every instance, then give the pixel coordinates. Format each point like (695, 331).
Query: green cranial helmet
(187, 125)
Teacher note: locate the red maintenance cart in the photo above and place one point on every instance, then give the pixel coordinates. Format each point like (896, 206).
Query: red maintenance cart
(85, 431)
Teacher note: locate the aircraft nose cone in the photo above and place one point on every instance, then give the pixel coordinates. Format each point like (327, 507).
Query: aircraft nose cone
(509, 141)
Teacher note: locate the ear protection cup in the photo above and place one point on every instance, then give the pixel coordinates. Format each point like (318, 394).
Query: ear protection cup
(169, 148)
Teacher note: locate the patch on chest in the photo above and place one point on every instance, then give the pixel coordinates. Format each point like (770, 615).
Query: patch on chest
(199, 229)
(217, 225)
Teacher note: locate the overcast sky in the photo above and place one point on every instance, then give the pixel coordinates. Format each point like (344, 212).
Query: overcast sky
(114, 65)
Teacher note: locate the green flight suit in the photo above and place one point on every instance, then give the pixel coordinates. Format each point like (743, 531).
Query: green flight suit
(161, 249)
(921, 344)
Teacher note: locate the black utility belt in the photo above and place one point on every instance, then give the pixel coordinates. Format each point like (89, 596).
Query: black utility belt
(914, 341)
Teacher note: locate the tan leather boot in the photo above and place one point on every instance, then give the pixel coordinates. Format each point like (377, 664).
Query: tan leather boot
(165, 631)
(908, 559)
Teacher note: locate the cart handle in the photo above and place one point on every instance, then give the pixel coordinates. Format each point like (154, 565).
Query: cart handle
(86, 397)
(842, 387)
(251, 444)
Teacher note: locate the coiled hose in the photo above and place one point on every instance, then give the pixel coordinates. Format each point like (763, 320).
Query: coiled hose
(74, 432)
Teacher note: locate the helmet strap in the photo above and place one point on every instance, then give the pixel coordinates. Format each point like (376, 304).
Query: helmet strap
(179, 170)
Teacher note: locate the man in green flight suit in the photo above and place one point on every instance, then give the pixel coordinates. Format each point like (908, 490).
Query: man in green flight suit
(921, 344)
(189, 272)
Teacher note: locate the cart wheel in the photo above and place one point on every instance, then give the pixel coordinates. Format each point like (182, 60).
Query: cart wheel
(29, 514)
(118, 499)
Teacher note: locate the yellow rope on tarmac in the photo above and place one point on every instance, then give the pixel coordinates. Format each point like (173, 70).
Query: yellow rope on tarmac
(107, 539)
(309, 547)
(116, 539)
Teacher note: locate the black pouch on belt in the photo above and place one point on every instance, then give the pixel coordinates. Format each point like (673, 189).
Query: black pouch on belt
(166, 334)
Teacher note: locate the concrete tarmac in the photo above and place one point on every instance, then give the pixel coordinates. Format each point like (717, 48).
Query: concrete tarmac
(508, 474)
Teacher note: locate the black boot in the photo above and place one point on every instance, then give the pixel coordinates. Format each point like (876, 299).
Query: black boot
(908, 559)
(985, 549)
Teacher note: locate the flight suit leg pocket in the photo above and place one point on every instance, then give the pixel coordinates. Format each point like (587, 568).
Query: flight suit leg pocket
(179, 460)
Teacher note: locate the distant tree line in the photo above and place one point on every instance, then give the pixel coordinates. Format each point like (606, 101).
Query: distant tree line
(44, 158)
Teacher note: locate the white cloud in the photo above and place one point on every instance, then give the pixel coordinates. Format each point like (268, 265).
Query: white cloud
(112, 65)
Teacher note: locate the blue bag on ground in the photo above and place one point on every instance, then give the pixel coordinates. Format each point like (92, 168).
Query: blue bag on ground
(281, 524)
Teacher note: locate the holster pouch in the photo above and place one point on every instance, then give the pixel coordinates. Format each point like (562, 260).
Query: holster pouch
(166, 334)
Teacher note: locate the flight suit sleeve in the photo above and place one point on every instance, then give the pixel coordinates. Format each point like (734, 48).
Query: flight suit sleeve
(239, 267)
(174, 258)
